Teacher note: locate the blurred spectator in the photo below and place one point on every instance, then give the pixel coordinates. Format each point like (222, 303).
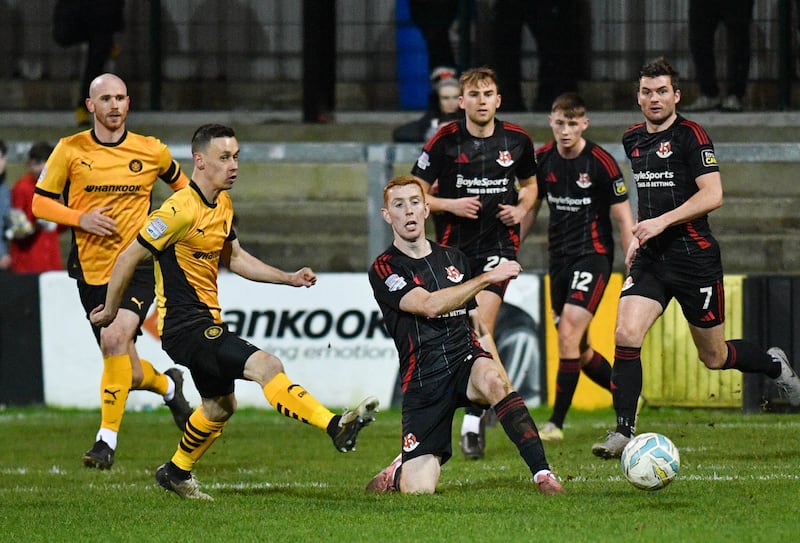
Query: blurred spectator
(421, 130)
(555, 26)
(705, 16)
(434, 19)
(94, 23)
(34, 242)
(5, 208)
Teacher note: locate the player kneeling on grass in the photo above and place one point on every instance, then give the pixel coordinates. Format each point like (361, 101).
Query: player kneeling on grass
(187, 236)
(427, 296)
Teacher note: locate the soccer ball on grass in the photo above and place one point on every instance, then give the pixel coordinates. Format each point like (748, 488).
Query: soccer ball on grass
(650, 461)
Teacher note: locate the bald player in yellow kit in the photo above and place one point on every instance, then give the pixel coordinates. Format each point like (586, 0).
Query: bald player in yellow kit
(189, 236)
(100, 182)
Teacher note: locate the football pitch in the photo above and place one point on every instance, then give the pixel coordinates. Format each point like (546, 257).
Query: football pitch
(274, 479)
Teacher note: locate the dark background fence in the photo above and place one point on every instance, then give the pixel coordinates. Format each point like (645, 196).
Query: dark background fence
(248, 54)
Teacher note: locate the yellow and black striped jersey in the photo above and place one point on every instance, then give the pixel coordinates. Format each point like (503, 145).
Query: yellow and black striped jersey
(186, 235)
(89, 174)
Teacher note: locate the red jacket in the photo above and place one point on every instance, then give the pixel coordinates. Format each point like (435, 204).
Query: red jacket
(41, 251)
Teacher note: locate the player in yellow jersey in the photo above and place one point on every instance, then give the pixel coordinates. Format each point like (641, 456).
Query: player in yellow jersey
(188, 236)
(100, 182)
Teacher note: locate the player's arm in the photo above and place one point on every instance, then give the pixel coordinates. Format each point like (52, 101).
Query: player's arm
(93, 221)
(467, 207)
(622, 215)
(419, 301)
(526, 200)
(706, 199)
(180, 181)
(528, 220)
(246, 265)
(104, 314)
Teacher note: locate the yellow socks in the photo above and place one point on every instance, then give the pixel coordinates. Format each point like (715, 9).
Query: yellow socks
(114, 387)
(200, 433)
(292, 400)
(152, 379)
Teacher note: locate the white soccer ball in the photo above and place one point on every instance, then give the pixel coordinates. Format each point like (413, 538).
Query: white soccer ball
(650, 461)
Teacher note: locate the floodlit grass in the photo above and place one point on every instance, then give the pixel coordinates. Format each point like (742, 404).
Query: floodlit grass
(274, 479)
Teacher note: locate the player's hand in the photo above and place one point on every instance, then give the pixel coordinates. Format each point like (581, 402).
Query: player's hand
(304, 277)
(647, 229)
(507, 269)
(467, 207)
(100, 317)
(95, 222)
(510, 215)
(630, 253)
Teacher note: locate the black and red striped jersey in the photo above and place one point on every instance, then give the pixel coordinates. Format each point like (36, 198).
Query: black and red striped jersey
(428, 347)
(580, 192)
(664, 168)
(490, 168)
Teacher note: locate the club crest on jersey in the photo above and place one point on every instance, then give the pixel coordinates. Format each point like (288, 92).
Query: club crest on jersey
(584, 181)
(504, 159)
(709, 158)
(394, 282)
(156, 228)
(423, 161)
(664, 149)
(213, 332)
(135, 165)
(619, 187)
(410, 442)
(453, 274)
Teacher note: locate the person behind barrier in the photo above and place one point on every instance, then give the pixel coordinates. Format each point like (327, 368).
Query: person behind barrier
(35, 247)
(5, 208)
(447, 110)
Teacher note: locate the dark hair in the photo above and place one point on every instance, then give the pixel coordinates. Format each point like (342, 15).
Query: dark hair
(40, 151)
(571, 104)
(659, 67)
(3, 148)
(203, 135)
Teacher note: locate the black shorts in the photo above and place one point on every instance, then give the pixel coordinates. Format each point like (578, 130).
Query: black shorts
(428, 413)
(214, 355)
(695, 281)
(137, 298)
(579, 281)
(486, 263)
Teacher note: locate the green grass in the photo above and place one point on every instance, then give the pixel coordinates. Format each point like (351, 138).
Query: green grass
(276, 480)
